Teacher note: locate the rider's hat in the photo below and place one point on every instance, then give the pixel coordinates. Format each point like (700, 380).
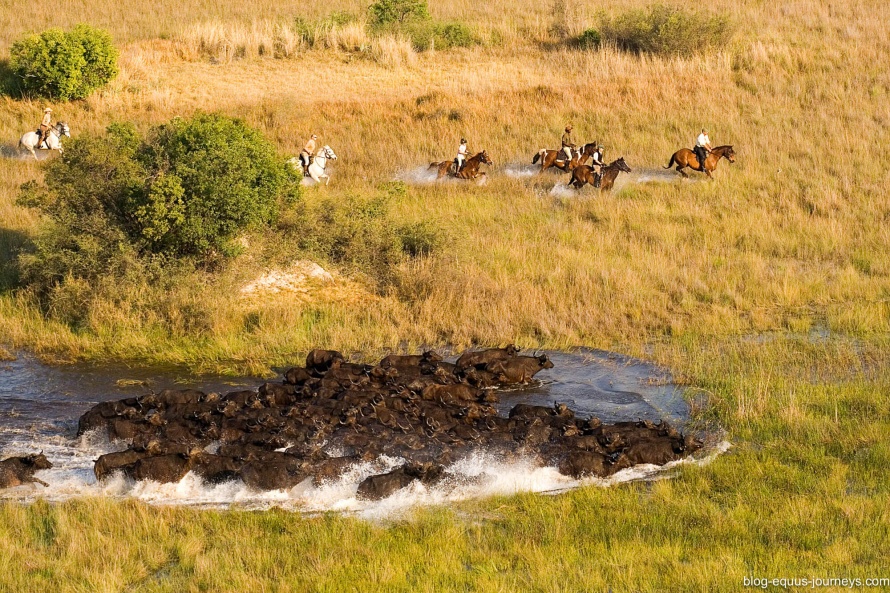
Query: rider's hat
(47, 110)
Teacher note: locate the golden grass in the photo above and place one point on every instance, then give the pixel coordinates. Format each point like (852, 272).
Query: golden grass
(786, 238)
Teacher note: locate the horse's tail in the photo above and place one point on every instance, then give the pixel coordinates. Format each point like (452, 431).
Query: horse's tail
(536, 158)
(673, 160)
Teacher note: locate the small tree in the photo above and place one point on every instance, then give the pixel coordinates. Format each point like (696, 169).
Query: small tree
(64, 65)
(183, 193)
(398, 12)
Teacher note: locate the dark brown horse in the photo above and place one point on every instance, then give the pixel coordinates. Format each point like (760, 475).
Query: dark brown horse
(585, 174)
(686, 158)
(557, 158)
(470, 170)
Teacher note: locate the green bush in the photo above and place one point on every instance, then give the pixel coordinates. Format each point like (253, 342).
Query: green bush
(64, 65)
(665, 30)
(454, 35)
(590, 39)
(121, 203)
(398, 12)
(211, 178)
(419, 238)
(354, 232)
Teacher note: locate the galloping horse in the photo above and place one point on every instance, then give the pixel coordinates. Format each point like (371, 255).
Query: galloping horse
(604, 180)
(53, 140)
(686, 158)
(470, 170)
(317, 167)
(556, 158)
(317, 164)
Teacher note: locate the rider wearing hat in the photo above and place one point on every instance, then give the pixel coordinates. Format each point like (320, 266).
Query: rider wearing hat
(567, 144)
(43, 130)
(702, 148)
(308, 151)
(461, 157)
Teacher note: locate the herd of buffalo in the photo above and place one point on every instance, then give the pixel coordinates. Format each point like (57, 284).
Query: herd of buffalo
(332, 413)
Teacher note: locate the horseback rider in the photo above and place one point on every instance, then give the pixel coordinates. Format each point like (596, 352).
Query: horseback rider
(43, 130)
(461, 157)
(596, 159)
(567, 144)
(702, 148)
(307, 152)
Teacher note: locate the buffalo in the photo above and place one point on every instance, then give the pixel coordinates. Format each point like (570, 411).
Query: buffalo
(16, 471)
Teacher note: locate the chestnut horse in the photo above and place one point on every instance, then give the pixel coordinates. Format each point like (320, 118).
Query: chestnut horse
(686, 158)
(585, 174)
(556, 158)
(470, 170)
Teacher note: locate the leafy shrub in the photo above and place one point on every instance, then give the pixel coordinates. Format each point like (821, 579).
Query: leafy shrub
(211, 178)
(419, 238)
(64, 65)
(398, 12)
(590, 39)
(354, 232)
(454, 35)
(120, 203)
(665, 30)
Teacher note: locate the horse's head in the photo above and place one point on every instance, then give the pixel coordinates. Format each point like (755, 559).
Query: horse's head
(729, 154)
(63, 129)
(622, 166)
(329, 152)
(483, 156)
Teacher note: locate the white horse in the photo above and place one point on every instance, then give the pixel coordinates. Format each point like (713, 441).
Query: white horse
(319, 163)
(53, 140)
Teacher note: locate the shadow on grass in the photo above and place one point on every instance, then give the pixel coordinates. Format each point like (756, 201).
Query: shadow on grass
(9, 82)
(11, 244)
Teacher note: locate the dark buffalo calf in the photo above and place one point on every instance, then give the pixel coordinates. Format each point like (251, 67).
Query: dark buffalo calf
(320, 361)
(580, 464)
(481, 358)
(410, 361)
(273, 474)
(216, 468)
(519, 369)
(163, 468)
(297, 376)
(16, 471)
(381, 486)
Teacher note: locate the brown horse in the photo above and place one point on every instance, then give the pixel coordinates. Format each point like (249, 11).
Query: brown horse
(585, 174)
(556, 158)
(686, 158)
(470, 170)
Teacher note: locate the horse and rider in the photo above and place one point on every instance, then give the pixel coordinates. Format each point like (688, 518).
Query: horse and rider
(569, 156)
(463, 166)
(703, 157)
(47, 136)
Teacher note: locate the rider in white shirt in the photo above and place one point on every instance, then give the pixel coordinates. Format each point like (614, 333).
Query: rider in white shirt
(461, 154)
(702, 148)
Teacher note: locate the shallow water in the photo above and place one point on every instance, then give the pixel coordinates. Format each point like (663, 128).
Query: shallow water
(40, 406)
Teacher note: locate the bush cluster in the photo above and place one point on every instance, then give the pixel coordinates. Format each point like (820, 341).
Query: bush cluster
(412, 18)
(64, 65)
(124, 204)
(665, 30)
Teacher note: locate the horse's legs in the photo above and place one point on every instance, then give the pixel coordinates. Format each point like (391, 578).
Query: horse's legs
(680, 171)
(327, 179)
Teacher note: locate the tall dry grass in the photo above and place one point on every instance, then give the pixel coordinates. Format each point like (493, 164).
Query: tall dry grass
(787, 238)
